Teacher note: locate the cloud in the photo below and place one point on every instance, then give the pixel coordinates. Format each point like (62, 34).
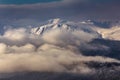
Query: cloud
(15, 34)
(54, 51)
(63, 37)
(32, 14)
(19, 37)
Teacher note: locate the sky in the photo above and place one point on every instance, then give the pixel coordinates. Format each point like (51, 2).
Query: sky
(33, 12)
(25, 1)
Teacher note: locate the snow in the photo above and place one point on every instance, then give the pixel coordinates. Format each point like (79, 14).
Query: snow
(112, 33)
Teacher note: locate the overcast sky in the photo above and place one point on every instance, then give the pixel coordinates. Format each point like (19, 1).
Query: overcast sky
(30, 12)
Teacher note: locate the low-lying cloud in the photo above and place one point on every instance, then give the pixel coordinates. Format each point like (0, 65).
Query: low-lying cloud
(54, 51)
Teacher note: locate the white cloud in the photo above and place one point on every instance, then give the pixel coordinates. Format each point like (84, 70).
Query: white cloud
(54, 51)
(2, 48)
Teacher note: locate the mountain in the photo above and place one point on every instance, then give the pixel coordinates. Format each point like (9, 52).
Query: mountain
(54, 24)
(51, 24)
(59, 24)
(88, 26)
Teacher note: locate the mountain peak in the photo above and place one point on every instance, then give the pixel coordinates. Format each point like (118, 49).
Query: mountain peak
(62, 25)
(52, 24)
(55, 21)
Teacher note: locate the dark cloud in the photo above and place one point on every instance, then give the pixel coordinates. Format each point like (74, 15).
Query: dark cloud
(66, 9)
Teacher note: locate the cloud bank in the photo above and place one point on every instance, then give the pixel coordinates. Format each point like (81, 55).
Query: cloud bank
(54, 51)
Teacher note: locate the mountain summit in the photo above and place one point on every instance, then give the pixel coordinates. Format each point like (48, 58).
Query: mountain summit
(53, 24)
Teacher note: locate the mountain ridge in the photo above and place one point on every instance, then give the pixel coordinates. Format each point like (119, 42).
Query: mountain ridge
(88, 26)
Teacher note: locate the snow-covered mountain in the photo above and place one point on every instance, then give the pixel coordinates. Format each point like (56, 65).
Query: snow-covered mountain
(86, 26)
(53, 24)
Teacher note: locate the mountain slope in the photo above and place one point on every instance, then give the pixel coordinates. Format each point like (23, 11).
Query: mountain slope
(110, 33)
